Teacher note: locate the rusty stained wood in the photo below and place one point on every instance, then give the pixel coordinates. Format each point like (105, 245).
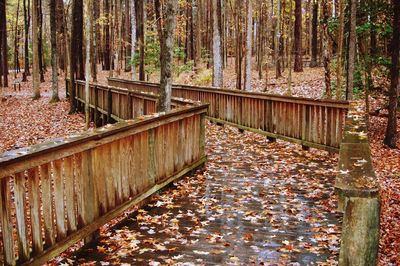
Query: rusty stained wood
(64, 192)
(34, 203)
(70, 199)
(6, 224)
(59, 199)
(20, 209)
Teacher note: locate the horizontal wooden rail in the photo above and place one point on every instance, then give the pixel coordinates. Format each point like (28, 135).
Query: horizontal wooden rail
(309, 122)
(60, 192)
(108, 104)
(358, 191)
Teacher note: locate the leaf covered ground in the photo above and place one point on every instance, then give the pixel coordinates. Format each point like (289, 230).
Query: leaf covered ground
(24, 122)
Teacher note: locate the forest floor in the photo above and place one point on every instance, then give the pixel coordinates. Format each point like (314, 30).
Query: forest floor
(25, 122)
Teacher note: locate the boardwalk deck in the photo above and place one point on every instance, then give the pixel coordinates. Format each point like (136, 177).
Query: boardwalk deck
(256, 202)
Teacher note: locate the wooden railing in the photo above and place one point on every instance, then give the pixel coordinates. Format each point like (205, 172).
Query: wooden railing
(108, 104)
(58, 193)
(358, 190)
(312, 123)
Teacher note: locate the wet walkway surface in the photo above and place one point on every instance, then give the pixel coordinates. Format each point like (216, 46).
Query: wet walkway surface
(256, 203)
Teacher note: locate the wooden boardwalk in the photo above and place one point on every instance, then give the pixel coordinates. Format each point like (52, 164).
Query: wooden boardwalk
(257, 202)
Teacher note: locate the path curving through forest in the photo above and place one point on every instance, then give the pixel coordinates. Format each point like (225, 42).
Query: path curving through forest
(256, 202)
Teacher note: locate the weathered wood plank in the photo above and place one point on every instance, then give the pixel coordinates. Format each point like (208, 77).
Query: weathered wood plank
(20, 210)
(70, 206)
(34, 202)
(59, 199)
(6, 224)
(47, 201)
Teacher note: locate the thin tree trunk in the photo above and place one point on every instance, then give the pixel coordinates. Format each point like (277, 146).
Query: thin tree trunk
(352, 49)
(249, 34)
(278, 71)
(339, 64)
(326, 49)
(166, 55)
(391, 129)
(3, 44)
(217, 51)
(54, 65)
(314, 41)
(40, 35)
(35, 47)
(93, 36)
(26, 40)
(290, 48)
(133, 39)
(106, 30)
(298, 29)
(89, 15)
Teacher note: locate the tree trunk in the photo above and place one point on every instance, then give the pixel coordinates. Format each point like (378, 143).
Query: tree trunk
(133, 39)
(298, 49)
(340, 51)
(314, 42)
(249, 34)
(88, 25)
(217, 51)
(106, 30)
(391, 129)
(290, 48)
(238, 58)
(352, 50)
(166, 55)
(76, 53)
(3, 45)
(326, 49)
(93, 37)
(40, 41)
(277, 44)
(141, 22)
(35, 47)
(26, 40)
(61, 36)
(54, 65)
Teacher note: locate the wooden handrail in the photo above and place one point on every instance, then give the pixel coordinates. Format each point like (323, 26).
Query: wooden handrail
(76, 184)
(308, 122)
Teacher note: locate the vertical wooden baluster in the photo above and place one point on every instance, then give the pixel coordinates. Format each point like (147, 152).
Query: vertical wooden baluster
(6, 221)
(89, 208)
(134, 161)
(20, 209)
(110, 190)
(116, 172)
(45, 176)
(34, 202)
(109, 105)
(68, 176)
(59, 200)
(96, 106)
(152, 157)
(124, 166)
(129, 107)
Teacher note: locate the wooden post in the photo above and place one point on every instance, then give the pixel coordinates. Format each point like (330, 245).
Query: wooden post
(109, 106)
(96, 106)
(129, 107)
(358, 191)
(202, 138)
(152, 157)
